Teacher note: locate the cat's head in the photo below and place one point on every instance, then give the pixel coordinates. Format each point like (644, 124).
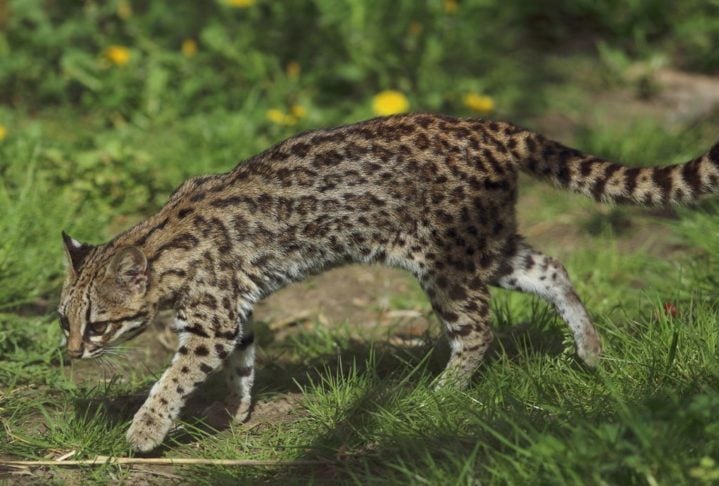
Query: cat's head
(104, 299)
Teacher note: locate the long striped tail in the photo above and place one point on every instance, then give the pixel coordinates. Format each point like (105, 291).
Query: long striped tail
(611, 182)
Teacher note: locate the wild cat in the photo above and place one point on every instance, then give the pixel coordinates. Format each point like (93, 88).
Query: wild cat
(431, 194)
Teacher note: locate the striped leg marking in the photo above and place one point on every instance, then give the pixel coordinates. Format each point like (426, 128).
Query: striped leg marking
(240, 373)
(541, 275)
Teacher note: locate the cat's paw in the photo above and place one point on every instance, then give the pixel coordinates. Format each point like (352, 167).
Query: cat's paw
(590, 349)
(242, 414)
(452, 377)
(147, 430)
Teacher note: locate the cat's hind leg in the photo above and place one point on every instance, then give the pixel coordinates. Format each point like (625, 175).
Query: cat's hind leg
(544, 276)
(240, 373)
(462, 304)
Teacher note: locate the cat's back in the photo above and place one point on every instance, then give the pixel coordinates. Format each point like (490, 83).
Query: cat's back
(400, 166)
(403, 150)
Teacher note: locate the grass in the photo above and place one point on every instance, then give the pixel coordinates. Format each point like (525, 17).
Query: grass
(334, 390)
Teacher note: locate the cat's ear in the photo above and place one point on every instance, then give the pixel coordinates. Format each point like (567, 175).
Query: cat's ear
(75, 252)
(128, 268)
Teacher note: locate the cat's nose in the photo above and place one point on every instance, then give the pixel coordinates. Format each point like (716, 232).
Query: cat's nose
(75, 353)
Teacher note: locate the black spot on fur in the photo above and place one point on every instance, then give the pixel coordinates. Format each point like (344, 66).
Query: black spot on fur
(300, 149)
(220, 350)
(457, 293)
(195, 329)
(182, 213)
(528, 262)
(243, 371)
(531, 144)
(141, 241)
(229, 335)
(600, 184)
(586, 166)
(691, 175)
(663, 178)
(245, 341)
(630, 179)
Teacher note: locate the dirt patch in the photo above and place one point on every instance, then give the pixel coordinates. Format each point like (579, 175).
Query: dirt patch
(363, 296)
(673, 98)
(683, 98)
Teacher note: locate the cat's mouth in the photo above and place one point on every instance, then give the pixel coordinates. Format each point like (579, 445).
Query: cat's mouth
(97, 352)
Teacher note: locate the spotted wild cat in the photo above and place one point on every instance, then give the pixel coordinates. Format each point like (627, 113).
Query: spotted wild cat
(430, 194)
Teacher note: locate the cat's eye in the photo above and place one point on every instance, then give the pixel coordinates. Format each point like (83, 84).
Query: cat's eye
(97, 328)
(64, 323)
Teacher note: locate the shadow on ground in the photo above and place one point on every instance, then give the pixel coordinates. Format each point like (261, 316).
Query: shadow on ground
(279, 385)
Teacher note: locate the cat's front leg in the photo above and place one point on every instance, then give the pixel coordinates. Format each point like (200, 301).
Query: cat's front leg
(202, 350)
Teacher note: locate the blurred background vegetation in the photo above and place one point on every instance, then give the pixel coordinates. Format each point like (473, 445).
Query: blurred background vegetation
(150, 62)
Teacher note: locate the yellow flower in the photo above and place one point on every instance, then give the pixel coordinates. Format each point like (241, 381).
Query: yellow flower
(118, 55)
(389, 102)
(124, 10)
(479, 103)
(450, 6)
(279, 117)
(3, 132)
(240, 3)
(293, 70)
(189, 47)
(298, 111)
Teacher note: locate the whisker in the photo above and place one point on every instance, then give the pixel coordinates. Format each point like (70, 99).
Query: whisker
(120, 361)
(103, 366)
(110, 365)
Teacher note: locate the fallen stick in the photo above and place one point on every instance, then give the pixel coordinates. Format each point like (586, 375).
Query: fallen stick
(180, 461)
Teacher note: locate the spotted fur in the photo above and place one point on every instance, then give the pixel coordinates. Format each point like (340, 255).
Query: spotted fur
(431, 194)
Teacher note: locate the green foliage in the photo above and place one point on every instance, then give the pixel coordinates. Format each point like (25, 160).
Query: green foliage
(643, 142)
(62, 51)
(686, 30)
(57, 52)
(30, 351)
(28, 267)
